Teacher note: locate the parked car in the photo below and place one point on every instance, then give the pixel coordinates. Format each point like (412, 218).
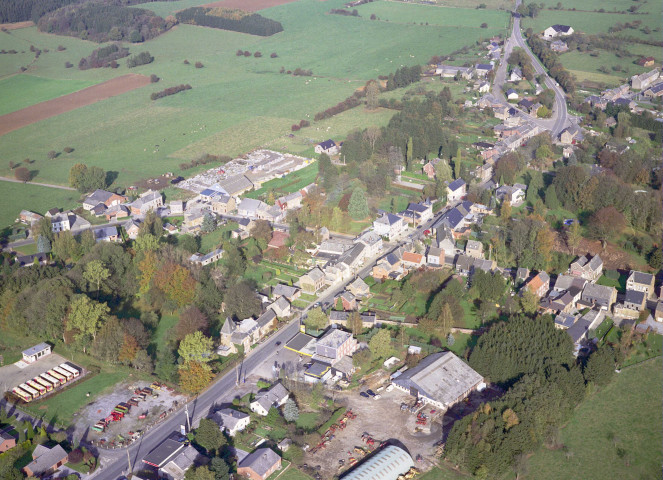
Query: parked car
(364, 394)
(370, 392)
(377, 397)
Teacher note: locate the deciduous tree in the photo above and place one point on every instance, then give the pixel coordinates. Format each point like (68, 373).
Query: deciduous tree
(380, 344)
(316, 319)
(195, 376)
(191, 320)
(209, 436)
(22, 174)
(196, 347)
(605, 223)
(86, 316)
(176, 282)
(95, 272)
(358, 207)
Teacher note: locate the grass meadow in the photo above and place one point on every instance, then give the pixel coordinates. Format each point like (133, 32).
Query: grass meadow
(615, 433)
(20, 196)
(20, 91)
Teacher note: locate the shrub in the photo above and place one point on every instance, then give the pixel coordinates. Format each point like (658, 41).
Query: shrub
(186, 62)
(68, 64)
(240, 53)
(22, 174)
(143, 58)
(273, 55)
(61, 48)
(103, 57)
(154, 78)
(199, 64)
(228, 19)
(247, 53)
(257, 54)
(113, 64)
(52, 154)
(67, 149)
(484, 25)
(12, 165)
(304, 123)
(294, 128)
(76, 456)
(170, 91)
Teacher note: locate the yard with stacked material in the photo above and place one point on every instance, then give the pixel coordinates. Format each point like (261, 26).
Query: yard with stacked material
(236, 103)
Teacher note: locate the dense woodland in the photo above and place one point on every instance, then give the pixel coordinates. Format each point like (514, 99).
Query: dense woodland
(253, 24)
(105, 20)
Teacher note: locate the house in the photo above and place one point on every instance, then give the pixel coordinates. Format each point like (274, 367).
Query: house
(583, 325)
(372, 244)
(566, 282)
(635, 300)
(474, 249)
(290, 201)
(641, 82)
(359, 288)
(522, 274)
(511, 94)
(39, 351)
(441, 380)
(534, 109)
(235, 185)
(328, 146)
(389, 225)
(281, 307)
(61, 222)
(177, 467)
(559, 46)
(482, 69)
(451, 71)
(564, 320)
(419, 212)
(429, 168)
(45, 461)
(599, 295)
(464, 265)
(6, 441)
(625, 102)
(484, 87)
(232, 421)
(658, 312)
(456, 190)
(445, 239)
(211, 257)
(389, 266)
(654, 91)
(539, 284)
(333, 345)
(278, 239)
(435, 256)
(557, 31)
(588, 269)
(516, 74)
(176, 207)
(223, 204)
(368, 319)
(570, 135)
(116, 211)
(312, 281)
(209, 194)
(166, 451)
(413, 260)
(514, 194)
(193, 219)
(150, 200)
(290, 293)
(266, 399)
(348, 300)
(108, 199)
(106, 234)
(641, 282)
(260, 464)
(29, 217)
(249, 207)
(132, 227)
(483, 265)
(646, 61)
(30, 260)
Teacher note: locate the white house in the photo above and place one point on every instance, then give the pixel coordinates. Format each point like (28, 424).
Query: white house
(232, 421)
(557, 31)
(511, 94)
(328, 146)
(456, 190)
(274, 397)
(389, 225)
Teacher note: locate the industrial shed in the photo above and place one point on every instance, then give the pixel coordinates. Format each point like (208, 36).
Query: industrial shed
(387, 464)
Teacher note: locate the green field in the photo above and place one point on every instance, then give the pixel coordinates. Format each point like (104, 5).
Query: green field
(20, 91)
(290, 183)
(236, 103)
(616, 433)
(20, 196)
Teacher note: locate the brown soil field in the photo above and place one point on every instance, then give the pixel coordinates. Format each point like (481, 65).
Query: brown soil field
(248, 5)
(66, 103)
(17, 25)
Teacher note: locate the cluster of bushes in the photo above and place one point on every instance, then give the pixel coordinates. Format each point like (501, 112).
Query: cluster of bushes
(10, 52)
(170, 91)
(550, 60)
(143, 58)
(253, 24)
(103, 57)
(105, 20)
(342, 11)
(298, 126)
(204, 159)
(246, 53)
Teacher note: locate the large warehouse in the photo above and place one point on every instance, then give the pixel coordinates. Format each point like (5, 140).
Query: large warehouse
(440, 379)
(387, 464)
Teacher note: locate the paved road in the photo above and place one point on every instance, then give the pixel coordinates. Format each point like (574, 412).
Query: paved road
(560, 118)
(50, 185)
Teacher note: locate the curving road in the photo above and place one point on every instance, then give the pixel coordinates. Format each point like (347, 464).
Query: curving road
(560, 118)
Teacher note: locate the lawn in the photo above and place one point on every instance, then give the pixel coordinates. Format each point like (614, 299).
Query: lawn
(620, 425)
(619, 284)
(32, 197)
(293, 474)
(210, 241)
(236, 103)
(61, 407)
(308, 421)
(165, 324)
(651, 347)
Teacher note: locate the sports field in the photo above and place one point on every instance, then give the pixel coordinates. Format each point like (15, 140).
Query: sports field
(616, 433)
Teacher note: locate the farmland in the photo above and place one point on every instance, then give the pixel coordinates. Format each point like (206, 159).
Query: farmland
(236, 103)
(33, 197)
(619, 424)
(21, 91)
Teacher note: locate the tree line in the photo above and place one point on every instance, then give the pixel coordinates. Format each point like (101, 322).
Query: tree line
(169, 91)
(22, 10)
(253, 24)
(106, 56)
(551, 61)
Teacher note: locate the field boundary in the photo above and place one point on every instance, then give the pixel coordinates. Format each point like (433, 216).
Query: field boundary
(66, 103)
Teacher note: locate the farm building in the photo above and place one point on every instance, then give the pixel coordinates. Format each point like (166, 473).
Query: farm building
(557, 31)
(440, 379)
(260, 464)
(33, 354)
(388, 464)
(235, 185)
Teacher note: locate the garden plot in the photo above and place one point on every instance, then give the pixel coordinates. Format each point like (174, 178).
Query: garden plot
(150, 409)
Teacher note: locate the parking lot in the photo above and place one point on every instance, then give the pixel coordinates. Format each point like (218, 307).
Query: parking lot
(13, 375)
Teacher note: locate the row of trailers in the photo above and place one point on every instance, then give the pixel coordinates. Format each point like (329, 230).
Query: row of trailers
(46, 382)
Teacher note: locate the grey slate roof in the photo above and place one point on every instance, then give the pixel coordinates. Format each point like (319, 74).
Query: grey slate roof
(633, 296)
(268, 316)
(578, 329)
(597, 291)
(641, 277)
(456, 184)
(229, 418)
(284, 290)
(260, 461)
(45, 458)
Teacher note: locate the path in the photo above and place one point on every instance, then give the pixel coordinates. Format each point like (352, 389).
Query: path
(50, 185)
